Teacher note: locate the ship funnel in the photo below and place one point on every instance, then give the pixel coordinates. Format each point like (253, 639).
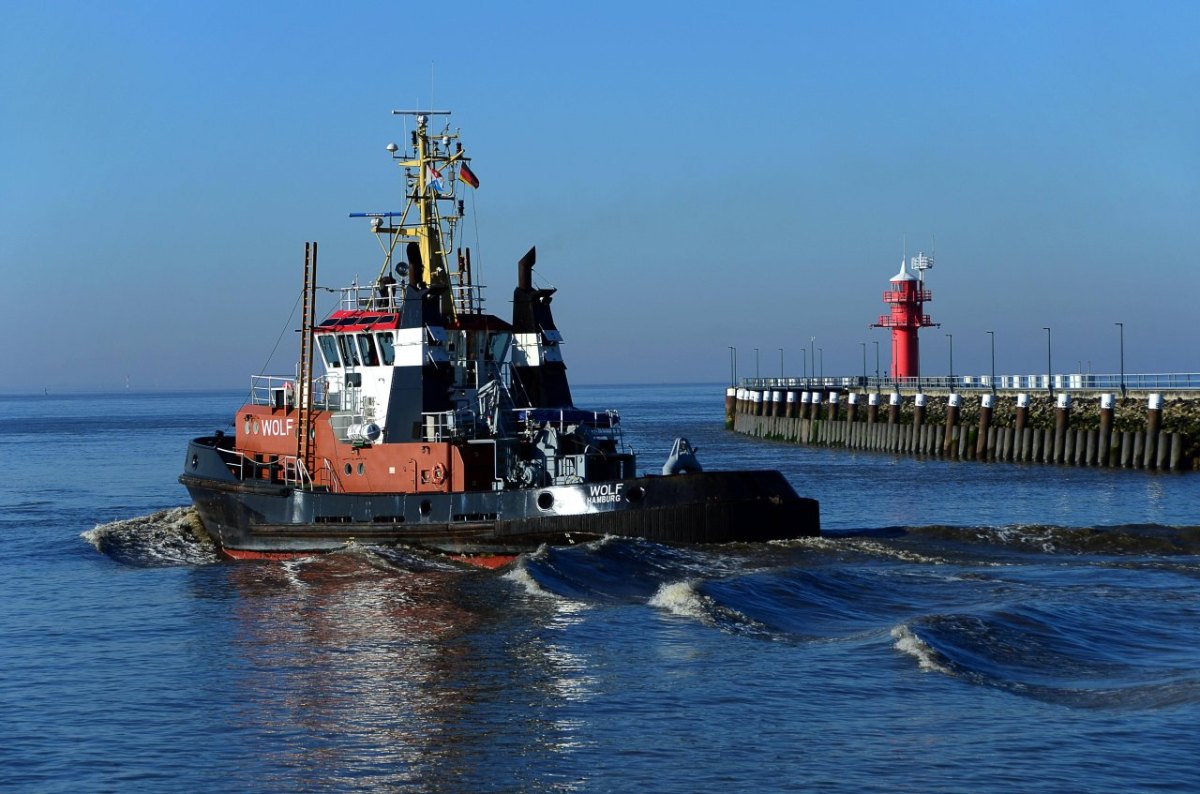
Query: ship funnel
(525, 269)
(416, 268)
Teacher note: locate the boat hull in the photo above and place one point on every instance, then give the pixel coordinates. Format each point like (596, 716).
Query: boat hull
(260, 519)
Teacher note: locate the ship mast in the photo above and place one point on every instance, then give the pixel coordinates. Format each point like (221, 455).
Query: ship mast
(432, 164)
(305, 451)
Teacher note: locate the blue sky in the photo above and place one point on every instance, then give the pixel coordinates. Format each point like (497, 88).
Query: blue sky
(695, 176)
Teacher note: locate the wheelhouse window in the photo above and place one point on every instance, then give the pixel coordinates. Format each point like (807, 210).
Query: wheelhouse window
(349, 352)
(329, 350)
(387, 347)
(366, 346)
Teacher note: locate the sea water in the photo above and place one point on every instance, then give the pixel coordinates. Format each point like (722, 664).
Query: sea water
(961, 626)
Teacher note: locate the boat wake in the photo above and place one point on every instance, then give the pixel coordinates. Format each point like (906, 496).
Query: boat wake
(1052, 655)
(1127, 539)
(1053, 613)
(166, 538)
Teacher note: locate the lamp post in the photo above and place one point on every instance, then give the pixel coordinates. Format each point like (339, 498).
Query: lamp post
(951, 338)
(1121, 326)
(992, 334)
(877, 376)
(756, 375)
(804, 363)
(864, 347)
(1049, 365)
(821, 358)
(812, 352)
(781, 363)
(732, 365)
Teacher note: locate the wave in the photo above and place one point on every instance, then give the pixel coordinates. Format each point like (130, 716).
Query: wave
(519, 574)
(926, 655)
(1122, 540)
(1084, 656)
(166, 538)
(622, 569)
(687, 599)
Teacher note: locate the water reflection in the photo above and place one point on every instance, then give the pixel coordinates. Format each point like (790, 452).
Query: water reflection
(356, 671)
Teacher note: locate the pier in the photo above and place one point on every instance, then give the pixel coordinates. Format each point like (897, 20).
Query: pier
(1131, 421)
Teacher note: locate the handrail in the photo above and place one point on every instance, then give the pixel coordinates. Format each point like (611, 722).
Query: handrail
(282, 392)
(1140, 382)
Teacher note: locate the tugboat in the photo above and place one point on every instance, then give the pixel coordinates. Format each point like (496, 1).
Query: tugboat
(437, 425)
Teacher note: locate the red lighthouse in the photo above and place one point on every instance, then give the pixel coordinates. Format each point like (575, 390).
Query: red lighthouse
(907, 297)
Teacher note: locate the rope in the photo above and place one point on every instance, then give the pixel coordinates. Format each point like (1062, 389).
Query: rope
(267, 363)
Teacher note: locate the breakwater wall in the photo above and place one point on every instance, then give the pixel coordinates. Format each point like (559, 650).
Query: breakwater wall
(1154, 431)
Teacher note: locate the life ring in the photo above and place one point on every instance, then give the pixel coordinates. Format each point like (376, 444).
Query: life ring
(439, 474)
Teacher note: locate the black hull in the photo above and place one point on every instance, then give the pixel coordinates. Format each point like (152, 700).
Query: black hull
(255, 518)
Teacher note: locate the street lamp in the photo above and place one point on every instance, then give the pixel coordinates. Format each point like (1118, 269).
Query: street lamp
(864, 347)
(812, 352)
(1121, 326)
(1049, 366)
(876, 364)
(781, 363)
(804, 363)
(951, 338)
(732, 365)
(821, 359)
(992, 334)
(756, 375)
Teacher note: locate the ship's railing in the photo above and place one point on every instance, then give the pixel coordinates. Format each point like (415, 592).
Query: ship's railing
(295, 473)
(290, 469)
(327, 476)
(468, 298)
(442, 426)
(562, 418)
(357, 298)
(1088, 382)
(283, 392)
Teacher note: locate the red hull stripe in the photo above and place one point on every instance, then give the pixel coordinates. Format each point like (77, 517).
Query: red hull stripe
(243, 554)
(489, 561)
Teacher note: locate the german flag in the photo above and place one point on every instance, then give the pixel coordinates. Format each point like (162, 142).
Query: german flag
(467, 175)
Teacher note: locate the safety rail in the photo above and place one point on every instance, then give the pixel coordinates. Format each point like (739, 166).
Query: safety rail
(357, 297)
(468, 298)
(442, 426)
(1141, 382)
(292, 470)
(283, 392)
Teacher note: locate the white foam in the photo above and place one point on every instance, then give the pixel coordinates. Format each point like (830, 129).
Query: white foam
(914, 646)
(173, 537)
(905, 555)
(680, 598)
(816, 542)
(520, 574)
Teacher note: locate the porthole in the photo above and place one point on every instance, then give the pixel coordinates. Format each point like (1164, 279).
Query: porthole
(255, 427)
(361, 469)
(635, 494)
(246, 424)
(348, 468)
(195, 461)
(545, 500)
(426, 507)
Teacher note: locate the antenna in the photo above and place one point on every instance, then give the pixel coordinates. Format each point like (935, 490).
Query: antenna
(920, 263)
